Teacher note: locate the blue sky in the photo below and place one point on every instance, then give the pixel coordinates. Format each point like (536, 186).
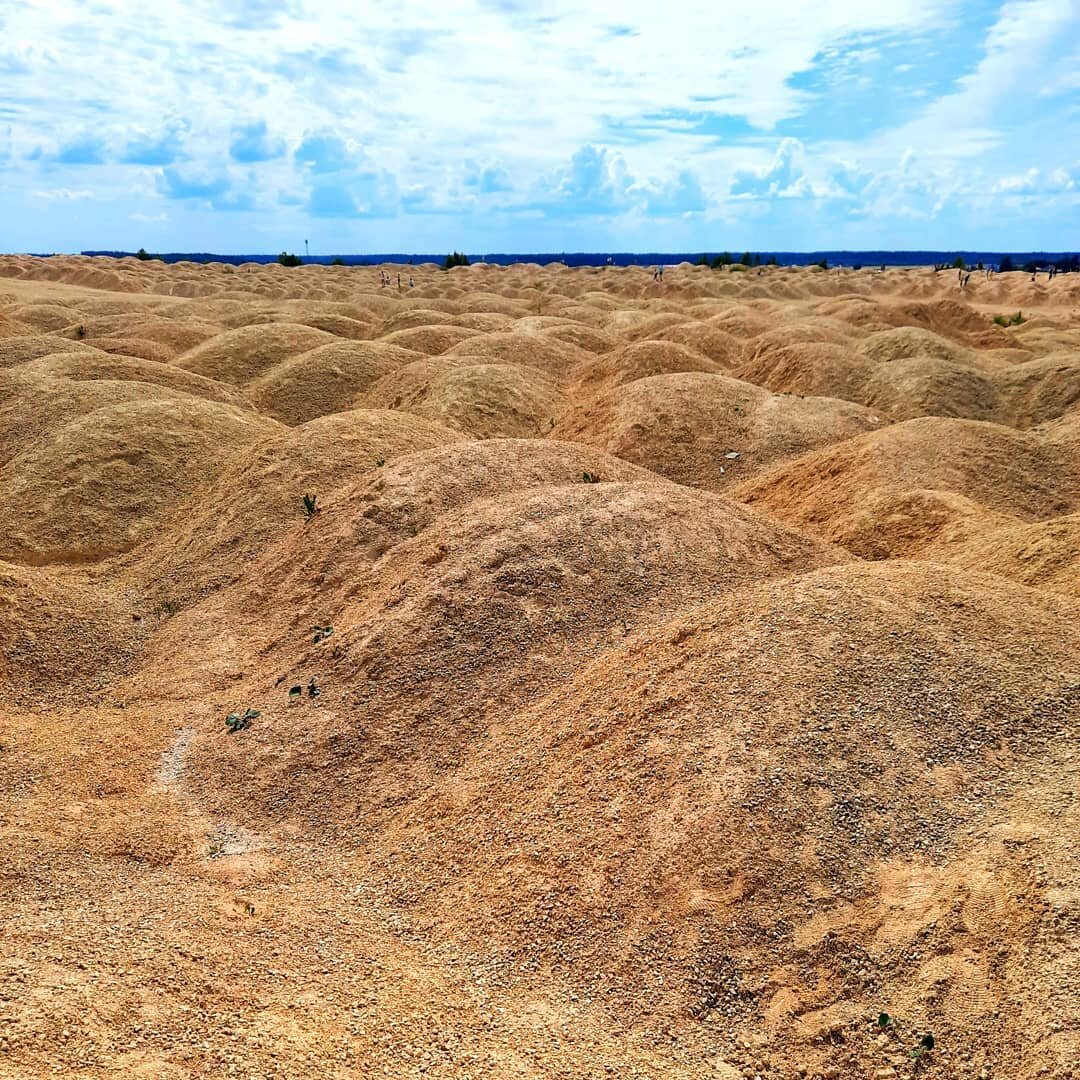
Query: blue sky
(539, 125)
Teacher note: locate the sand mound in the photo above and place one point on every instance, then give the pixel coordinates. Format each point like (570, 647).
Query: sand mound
(709, 430)
(1045, 555)
(724, 349)
(429, 340)
(238, 356)
(644, 359)
(489, 605)
(906, 342)
(411, 318)
(57, 634)
(741, 322)
(83, 366)
(10, 328)
(486, 401)
(818, 368)
(258, 494)
(328, 379)
(1039, 390)
(176, 334)
(45, 318)
(771, 790)
(140, 347)
(890, 493)
(588, 338)
(927, 385)
(18, 350)
(105, 479)
(799, 333)
(553, 357)
(633, 324)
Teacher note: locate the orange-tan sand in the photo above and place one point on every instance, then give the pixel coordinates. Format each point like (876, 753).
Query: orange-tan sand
(703, 678)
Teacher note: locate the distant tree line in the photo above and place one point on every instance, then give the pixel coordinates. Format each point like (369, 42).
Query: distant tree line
(1067, 264)
(746, 259)
(456, 258)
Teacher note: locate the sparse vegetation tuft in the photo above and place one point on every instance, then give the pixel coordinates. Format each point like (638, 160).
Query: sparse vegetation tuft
(1010, 320)
(238, 721)
(456, 258)
(590, 477)
(322, 633)
(286, 258)
(311, 506)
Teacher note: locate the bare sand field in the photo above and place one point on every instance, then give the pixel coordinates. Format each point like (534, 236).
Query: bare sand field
(663, 679)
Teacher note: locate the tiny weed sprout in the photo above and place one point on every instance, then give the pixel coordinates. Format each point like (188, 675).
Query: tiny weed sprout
(1010, 320)
(884, 1020)
(919, 1053)
(311, 507)
(295, 692)
(312, 690)
(321, 633)
(590, 477)
(80, 331)
(238, 721)
(216, 848)
(380, 462)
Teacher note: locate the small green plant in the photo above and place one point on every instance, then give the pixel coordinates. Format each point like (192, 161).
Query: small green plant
(1010, 320)
(920, 1052)
(958, 263)
(311, 507)
(142, 255)
(217, 849)
(80, 331)
(295, 692)
(238, 721)
(312, 690)
(884, 1020)
(288, 259)
(380, 462)
(590, 477)
(823, 263)
(169, 608)
(322, 632)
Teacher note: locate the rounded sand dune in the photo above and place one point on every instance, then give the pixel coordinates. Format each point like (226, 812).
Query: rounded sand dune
(239, 356)
(328, 379)
(103, 480)
(483, 400)
(850, 493)
(709, 430)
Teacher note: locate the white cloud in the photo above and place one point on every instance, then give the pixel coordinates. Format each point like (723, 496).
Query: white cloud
(63, 195)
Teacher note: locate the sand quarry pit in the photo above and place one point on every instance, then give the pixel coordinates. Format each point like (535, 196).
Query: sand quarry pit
(697, 671)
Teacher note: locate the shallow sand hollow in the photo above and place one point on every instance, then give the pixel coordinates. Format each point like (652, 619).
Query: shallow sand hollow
(703, 680)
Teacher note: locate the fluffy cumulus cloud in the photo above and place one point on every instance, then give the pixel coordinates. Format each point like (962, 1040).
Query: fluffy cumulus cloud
(829, 120)
(155, 147)
(782, 177)
(253, 142)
